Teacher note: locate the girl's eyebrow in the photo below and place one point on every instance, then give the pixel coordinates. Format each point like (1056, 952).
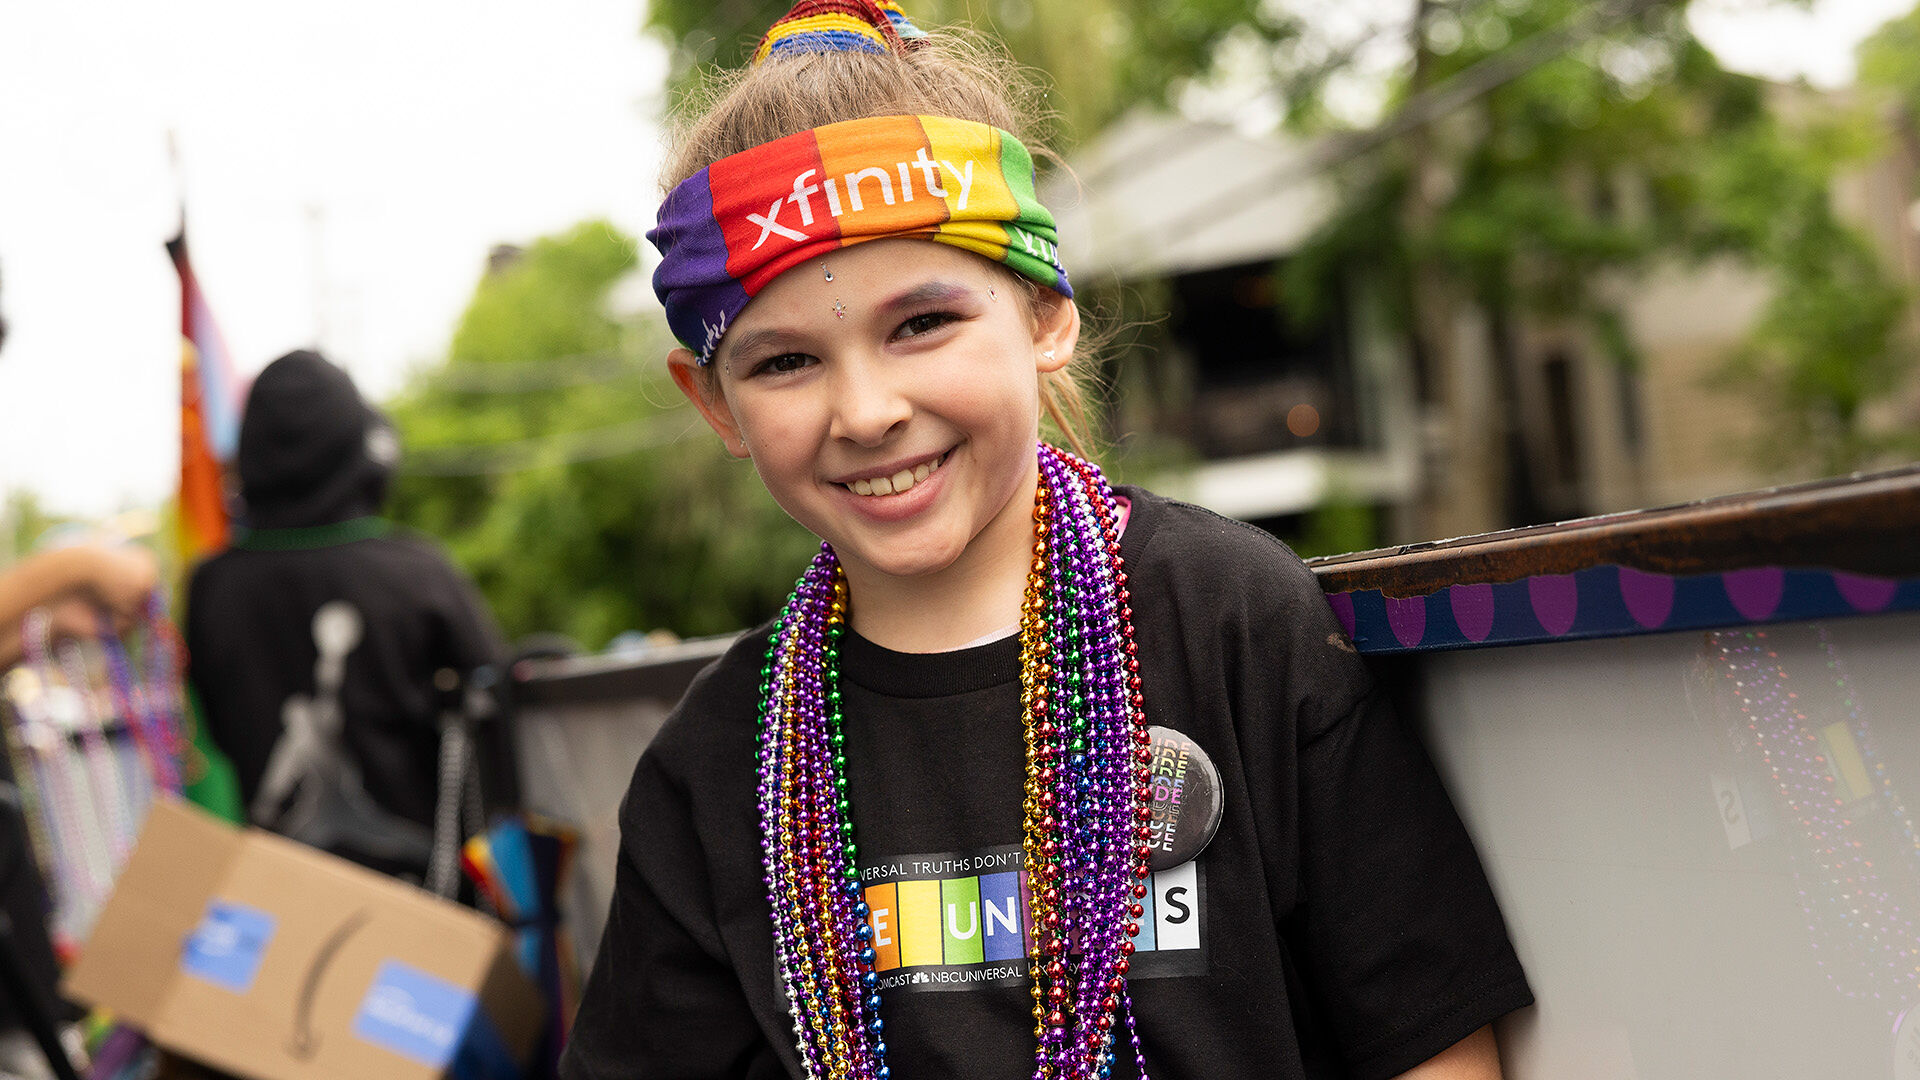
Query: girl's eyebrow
(752, 342)
(931, 292)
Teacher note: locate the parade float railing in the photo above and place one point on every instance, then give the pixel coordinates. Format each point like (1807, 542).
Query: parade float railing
(1685, 740)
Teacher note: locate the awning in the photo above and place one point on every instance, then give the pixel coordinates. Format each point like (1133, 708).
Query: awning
(1158, 195)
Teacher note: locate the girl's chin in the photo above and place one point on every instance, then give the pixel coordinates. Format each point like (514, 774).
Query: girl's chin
(898, 554)
(893, 562)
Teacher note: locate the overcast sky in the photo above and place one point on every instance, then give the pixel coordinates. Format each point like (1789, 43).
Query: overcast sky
(346, 167)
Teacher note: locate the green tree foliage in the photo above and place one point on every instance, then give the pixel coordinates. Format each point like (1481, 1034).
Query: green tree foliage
(1339, 525)
(1631, 148)
(1890, 63)
(563, 470)
(1099, 57)
(23, 522)
(554, 457)
(1830, 342)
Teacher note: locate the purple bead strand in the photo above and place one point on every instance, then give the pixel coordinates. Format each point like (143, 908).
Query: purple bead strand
(1086, 731)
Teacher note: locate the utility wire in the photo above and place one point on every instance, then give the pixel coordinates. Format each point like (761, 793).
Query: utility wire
(520, 377)
(633, 436)
(565, 448)
(1422, 108)
(1336, 58)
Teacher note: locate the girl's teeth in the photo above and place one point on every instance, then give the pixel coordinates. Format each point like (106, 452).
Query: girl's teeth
(898, 482)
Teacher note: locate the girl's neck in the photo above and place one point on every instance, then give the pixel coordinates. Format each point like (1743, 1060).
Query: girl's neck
(975, 596)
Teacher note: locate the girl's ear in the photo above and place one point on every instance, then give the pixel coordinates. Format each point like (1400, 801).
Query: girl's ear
(1056, 329)
(704, 391)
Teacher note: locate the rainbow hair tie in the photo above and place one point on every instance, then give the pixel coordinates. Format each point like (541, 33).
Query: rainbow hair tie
(815, 26)
(901, 24)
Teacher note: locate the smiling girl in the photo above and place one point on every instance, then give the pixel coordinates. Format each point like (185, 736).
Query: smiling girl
(1032, 776)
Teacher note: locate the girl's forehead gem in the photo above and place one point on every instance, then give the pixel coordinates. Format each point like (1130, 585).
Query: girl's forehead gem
(825, 269)
(839, 309)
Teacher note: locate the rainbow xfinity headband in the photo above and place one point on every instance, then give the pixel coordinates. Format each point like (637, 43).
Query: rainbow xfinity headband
(734, 226)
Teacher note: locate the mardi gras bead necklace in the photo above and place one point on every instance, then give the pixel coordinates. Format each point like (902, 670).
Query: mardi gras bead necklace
(1085, 799)
(45, 720)
(85, 821)
(151, 707)
(91, 791)
(1855, 841)
(130, 704)
(110, 787)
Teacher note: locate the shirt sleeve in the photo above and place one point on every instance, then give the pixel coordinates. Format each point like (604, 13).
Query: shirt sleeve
(1403, 945)
(662, 1002)
(1386, 917)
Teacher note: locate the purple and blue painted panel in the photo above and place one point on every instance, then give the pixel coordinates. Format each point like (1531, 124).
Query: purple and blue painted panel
(1609, 601)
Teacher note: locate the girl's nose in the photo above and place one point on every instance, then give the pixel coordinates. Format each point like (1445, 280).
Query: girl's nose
(867, 407)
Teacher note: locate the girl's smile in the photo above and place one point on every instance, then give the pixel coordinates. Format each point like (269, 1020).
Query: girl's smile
(893, 410)
(897, 483)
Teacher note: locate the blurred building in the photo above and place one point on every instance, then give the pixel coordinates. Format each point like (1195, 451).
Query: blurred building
(1284, 418)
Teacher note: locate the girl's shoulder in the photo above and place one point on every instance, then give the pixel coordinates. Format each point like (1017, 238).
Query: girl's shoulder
(1237, 607)
(1190, 545)
(716, 720)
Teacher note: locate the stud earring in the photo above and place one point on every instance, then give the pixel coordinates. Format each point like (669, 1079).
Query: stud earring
(1048, 354)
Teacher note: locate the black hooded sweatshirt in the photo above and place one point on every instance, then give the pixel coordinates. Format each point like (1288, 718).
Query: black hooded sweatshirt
(315, 639)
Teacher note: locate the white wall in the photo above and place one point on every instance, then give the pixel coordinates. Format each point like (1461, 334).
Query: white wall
(1661, 940)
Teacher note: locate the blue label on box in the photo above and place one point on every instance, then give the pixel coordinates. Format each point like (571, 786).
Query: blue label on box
(414, 1014)
(226, 948)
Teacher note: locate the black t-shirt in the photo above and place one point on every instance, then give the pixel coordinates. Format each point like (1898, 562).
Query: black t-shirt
(369, 716)
(1337, 925)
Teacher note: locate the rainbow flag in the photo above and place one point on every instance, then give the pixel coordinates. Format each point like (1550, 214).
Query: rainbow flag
(209, 417)
(209, 435)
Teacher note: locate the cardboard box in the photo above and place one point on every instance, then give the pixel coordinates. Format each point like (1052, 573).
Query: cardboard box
(271, 960)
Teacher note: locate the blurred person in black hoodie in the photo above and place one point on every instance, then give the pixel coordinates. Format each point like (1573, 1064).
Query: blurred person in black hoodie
(315, 639)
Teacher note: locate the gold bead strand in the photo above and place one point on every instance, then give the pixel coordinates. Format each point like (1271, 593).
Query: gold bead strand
(1035, 674)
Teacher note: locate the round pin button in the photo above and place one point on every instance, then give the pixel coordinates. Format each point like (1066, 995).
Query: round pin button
(1187, 799)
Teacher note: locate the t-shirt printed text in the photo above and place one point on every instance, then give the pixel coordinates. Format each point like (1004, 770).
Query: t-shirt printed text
(957, 921)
